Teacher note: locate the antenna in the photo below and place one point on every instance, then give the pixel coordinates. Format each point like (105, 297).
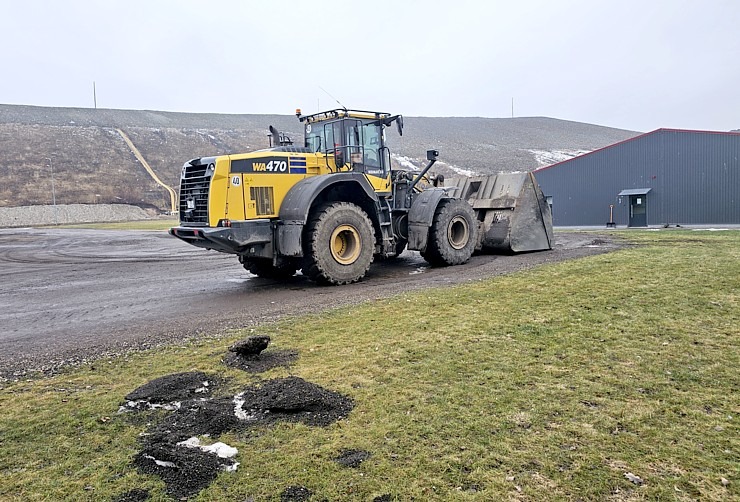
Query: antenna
(332, 97)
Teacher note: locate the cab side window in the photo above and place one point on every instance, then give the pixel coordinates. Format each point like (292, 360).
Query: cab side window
(373, 159)
(315, 138)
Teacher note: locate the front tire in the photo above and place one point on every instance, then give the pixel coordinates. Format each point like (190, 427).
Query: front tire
(453, 235)
(339, 244)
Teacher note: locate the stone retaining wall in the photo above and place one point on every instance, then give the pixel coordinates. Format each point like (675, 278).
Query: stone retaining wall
(26, 216)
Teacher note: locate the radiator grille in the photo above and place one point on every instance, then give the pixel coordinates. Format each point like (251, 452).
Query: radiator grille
(263, 198)
(194, 185)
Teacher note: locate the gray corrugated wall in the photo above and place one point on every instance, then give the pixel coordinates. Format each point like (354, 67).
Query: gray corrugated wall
(694, 178)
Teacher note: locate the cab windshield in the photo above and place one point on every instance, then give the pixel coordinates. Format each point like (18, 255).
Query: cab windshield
(357, 143)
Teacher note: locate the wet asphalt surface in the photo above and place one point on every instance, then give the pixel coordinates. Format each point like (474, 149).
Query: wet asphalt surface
(71, 295)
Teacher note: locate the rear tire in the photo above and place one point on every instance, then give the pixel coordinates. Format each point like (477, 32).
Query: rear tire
(453, 234)
(265, 269)
(339, 244)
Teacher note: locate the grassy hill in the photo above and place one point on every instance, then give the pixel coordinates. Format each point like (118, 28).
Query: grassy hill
(92, 164)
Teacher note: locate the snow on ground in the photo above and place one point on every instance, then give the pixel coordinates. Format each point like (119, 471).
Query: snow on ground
(459, 170)
(546, 158)
(222, 450)
(161, 463)
(404, 161)
(238, 410)
(408, 163)
(143, 404)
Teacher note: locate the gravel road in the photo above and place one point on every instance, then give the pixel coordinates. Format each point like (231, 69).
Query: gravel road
(70, 295)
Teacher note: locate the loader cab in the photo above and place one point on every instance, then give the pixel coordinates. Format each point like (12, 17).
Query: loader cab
(353, 141)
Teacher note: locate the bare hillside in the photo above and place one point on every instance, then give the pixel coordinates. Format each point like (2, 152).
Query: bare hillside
(491, 145)
(92, 164)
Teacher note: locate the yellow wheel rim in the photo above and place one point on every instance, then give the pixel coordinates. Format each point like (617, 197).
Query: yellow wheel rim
(345, 244)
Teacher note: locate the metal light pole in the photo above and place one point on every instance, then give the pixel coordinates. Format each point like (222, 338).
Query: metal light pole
(53, 192)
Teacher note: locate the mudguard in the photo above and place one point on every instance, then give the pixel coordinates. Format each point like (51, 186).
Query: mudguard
(421, 216)
(297, 204)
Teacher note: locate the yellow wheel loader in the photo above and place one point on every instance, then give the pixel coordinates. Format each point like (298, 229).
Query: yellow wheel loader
(331, 206)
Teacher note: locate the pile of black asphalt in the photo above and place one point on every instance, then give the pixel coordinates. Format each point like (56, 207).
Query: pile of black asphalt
(171, 389)
(135, 495)
(295, 493)
(247, 355)
(193, 404)
(293, 399)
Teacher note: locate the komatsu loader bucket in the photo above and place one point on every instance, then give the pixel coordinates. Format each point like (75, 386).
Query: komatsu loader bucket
(512, 208)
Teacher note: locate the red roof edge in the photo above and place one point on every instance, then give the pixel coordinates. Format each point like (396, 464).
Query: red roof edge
(662, 129)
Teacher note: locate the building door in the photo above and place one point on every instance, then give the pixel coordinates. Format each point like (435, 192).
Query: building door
(638, 210)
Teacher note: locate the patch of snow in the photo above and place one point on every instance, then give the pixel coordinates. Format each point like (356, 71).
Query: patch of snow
(404, 161)
(230, 468)
(222, 450)
(137, 405)
(709, 229)
(192, 442)
(408, 163)
(238, 410)
(419, 270)
(161, 463)
(463, 172)
(546, 157)
(458, 170)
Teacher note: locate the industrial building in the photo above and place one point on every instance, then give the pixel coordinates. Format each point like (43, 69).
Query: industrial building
(664, 177)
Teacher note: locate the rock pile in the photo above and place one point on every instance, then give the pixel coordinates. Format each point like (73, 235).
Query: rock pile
(64, 214)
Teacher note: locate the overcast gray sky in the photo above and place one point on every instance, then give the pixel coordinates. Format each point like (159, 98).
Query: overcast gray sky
(630, 64)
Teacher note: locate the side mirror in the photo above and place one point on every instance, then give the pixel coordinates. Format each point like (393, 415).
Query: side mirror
(399, 125)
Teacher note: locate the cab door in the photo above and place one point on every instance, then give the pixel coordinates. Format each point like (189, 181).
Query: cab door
(375, 158)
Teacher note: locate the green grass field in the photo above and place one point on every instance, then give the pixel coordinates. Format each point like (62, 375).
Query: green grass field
(549, 384)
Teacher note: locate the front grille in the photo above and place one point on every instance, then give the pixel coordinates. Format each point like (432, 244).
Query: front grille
(194, 184)
(263, 197)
